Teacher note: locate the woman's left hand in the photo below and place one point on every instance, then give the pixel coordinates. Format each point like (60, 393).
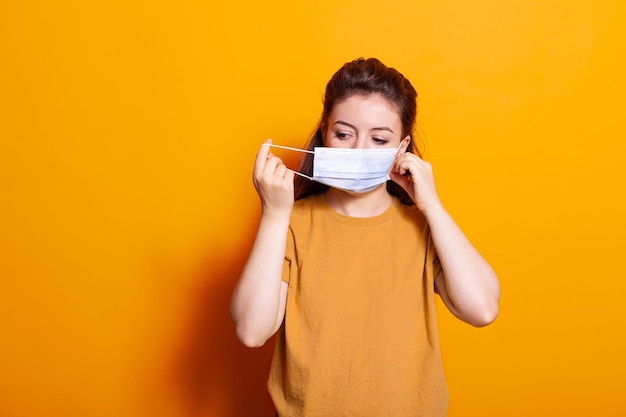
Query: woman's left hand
(415, 176)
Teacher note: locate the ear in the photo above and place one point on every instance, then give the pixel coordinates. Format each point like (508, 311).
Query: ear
(404, 144)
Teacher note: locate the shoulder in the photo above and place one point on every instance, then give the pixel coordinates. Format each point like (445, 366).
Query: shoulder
(304, 210)
(409, 213)
(409, 223)
(307, 202)
(307, 205)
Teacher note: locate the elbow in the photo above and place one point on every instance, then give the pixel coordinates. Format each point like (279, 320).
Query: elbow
(486, 310)
(246, 332)
(250, 339)
(484, 316)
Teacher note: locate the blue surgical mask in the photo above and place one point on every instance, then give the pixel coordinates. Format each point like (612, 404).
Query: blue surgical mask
(353, 170)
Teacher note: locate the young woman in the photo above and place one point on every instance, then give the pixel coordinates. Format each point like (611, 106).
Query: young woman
(347, 275)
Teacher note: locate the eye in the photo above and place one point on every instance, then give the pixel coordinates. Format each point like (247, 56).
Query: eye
(342, 135)
(380, 141)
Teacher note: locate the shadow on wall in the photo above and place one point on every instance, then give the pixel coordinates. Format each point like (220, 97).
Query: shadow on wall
(215, 374)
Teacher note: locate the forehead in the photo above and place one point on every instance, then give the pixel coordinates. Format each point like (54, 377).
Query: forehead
(365, 109)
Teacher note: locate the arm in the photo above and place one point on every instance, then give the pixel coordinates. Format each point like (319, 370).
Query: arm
(468, 285)
(258, 303)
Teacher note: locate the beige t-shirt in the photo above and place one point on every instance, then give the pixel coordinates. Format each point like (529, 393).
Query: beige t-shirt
(360, 332)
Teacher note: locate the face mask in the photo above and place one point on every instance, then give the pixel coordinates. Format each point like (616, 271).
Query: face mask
(354, 170)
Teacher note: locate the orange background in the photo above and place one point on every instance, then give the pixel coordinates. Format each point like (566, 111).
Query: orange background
(128, 131)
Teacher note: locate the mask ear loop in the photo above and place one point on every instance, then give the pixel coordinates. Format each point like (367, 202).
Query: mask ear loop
(288, 148)
(292, 149)
(399, 146)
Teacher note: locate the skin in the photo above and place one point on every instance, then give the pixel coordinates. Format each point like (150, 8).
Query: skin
(467, 285)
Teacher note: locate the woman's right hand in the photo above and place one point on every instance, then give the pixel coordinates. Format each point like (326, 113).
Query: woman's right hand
(273, 182)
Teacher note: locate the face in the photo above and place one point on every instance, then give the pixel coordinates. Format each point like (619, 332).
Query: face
(363, 122)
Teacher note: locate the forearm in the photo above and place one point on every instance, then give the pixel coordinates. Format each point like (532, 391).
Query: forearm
(471, 285)
(256, 302)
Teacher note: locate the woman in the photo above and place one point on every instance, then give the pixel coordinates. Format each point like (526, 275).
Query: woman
(347, 275)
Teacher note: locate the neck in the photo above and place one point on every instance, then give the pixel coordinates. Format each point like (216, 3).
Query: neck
(370, 204)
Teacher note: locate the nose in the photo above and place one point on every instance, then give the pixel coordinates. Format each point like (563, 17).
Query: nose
(359, 143)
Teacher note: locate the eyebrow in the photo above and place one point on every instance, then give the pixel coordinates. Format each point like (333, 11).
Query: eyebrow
(341, 122)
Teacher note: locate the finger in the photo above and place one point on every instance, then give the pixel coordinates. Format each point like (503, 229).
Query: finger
(402, 165)
(289, 175)
(269, 171)
(399, 179)
(408, 163)
(411, 157)
(261, 157)
(279, 170)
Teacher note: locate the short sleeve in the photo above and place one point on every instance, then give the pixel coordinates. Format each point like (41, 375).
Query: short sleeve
(286, 270)
(289, 262)
(437, 268)
(434, 257)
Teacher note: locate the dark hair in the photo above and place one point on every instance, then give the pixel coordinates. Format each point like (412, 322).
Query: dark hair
(362, 77)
